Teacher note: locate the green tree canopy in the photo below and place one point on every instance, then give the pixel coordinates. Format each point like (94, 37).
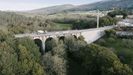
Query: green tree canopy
(102, 61)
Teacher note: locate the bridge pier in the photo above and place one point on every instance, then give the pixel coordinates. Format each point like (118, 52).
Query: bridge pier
(43, 46)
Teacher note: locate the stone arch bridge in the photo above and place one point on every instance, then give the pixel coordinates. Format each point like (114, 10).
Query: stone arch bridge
(90, 35)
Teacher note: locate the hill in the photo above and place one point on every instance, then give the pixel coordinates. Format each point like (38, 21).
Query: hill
(53, 9)
(105, 5)
(102, 5)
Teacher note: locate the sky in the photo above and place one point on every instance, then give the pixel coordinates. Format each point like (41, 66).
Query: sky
(23, 5)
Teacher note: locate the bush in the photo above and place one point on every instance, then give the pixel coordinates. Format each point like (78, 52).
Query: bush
(81, 38)
(110, 33)
(111, 40)
(127, 43)
(50, 44)
(101, 42)
(126, 56)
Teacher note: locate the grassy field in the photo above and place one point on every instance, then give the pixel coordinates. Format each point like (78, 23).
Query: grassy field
(61, 26)
(3, 28)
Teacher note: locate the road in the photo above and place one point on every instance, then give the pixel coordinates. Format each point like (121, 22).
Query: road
(59, 33)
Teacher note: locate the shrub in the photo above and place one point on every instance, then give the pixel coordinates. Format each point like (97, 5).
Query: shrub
(101, 42)
(111, 40)
(110, 33)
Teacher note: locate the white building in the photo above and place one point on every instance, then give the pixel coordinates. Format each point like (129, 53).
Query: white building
(119, 16)
(130, 16)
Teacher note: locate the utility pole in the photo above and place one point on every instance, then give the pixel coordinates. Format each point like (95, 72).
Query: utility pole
(98, 18)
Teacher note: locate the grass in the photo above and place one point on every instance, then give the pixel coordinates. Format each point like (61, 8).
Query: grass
(61, 26)
(3, 28)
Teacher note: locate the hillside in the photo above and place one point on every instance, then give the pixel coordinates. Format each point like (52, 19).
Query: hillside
(102, 5)
(53, 9)
(10, 18)
(105, 5)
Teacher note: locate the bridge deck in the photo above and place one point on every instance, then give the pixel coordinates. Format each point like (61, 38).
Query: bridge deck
(62, 32)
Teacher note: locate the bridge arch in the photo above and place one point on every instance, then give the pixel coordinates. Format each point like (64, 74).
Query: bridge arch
(48, 44)
(61, 38)
(39, 43)
(75, 36)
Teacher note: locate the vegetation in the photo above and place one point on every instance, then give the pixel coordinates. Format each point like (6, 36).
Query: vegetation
(15, 23)
(55, 60)
(64, 55)
(67, 56)
(75, 56)
(19, 56)
(118, 12)
(107, 21)
(86, 23)
(104, 5)
(122, 47)
(102, 61)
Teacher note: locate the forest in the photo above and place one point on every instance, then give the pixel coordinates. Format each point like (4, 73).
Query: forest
(110, 55)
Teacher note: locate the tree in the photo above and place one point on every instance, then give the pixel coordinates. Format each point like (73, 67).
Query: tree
(102, 61)
(25, 62)
(107, 21)
(55, 61)
(31, 47)
(5, 36)
(84, 24)
(118, 12)
(8, 60)
(50, 44)
(29, 61)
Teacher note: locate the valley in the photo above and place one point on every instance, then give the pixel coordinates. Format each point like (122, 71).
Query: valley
(88, 39)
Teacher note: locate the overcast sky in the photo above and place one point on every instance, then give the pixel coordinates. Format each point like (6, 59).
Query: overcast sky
(20, 5)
